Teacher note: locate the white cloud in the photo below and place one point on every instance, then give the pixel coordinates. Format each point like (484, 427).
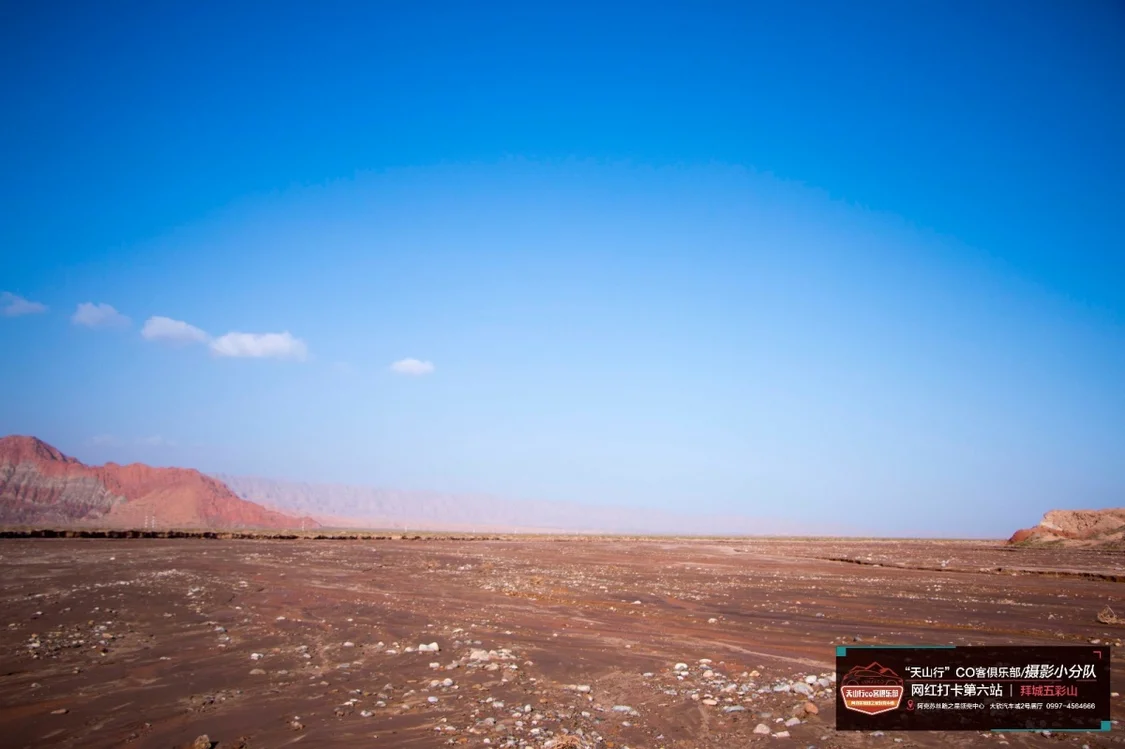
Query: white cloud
(14, 305)
(412, 367)
(167, 329)
(260, 345)
(98, 316)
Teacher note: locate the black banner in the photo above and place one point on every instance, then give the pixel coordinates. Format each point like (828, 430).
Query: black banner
(946, 688)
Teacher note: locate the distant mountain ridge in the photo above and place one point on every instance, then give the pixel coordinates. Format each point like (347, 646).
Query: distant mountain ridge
(39, 485)
(342, 505)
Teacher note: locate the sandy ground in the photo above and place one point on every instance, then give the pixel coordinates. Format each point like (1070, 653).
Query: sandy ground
(543, 642)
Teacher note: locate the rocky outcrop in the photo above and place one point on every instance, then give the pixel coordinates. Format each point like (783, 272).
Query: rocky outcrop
(39, 485)
(1077, 528)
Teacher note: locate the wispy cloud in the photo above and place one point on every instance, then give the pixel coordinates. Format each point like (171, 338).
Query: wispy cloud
(175, 331)
(104, 440)
(413, 367)
(260, 346)
(93, 315)
(13, 305)
(156, 441)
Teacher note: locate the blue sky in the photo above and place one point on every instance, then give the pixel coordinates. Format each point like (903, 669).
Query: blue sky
(861, 265)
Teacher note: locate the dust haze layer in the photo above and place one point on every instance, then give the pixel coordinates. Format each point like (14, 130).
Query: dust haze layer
(344, 505)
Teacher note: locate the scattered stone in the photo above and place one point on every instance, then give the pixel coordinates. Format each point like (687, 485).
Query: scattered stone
(60, 711)
(811, 709)
(201, 742)
(257, 672)
(762, 729)
(781, 735)
(734, 709)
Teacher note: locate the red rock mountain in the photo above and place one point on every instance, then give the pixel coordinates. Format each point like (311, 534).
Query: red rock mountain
(41, 486)
(1077, 528)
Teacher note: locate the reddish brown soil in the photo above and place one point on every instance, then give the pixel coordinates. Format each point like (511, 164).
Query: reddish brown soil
(41, 485)
(149, 642)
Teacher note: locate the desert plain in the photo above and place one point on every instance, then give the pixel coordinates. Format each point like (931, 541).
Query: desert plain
(604, 642)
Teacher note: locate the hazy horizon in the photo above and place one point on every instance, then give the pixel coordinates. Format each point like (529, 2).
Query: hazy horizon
(865, 273)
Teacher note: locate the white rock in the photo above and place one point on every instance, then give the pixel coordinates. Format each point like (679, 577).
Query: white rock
(680, 667)
(793, 722)
(761, 729)
(712, 620)
(781, 735)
